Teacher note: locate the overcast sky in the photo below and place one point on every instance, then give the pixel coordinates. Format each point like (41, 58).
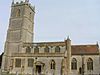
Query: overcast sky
(57, 19)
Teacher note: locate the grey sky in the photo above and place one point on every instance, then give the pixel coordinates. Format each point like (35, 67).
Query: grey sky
(56, 19)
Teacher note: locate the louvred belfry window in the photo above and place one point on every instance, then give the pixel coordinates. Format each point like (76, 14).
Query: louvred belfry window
(18, 13)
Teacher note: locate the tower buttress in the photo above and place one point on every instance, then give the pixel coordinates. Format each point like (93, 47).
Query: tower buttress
(68, 55)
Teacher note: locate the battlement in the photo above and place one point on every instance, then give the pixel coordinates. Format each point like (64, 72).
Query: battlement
(22, 2)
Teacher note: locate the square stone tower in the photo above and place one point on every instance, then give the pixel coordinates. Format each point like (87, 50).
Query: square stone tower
(20, 30)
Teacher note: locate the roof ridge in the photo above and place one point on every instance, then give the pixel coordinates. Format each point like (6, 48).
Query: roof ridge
(86, 45)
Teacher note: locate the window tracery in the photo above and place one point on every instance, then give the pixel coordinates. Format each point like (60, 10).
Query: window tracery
(74, 64)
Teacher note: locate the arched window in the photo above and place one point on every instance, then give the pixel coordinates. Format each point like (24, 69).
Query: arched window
(52, 64)
(28, 50)
(36, 50)
(74, 64)
(46, 49)
(57, 49)
(18, 13)
(89, 64)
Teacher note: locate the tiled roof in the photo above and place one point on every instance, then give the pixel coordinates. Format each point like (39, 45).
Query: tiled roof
(84, 49)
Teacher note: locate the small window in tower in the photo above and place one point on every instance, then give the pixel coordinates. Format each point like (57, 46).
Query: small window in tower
(18, 13)
(30, 16)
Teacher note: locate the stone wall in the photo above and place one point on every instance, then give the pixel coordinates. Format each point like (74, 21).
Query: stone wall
(96, 63)
(39, 61)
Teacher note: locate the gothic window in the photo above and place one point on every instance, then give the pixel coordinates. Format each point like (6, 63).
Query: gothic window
(36, 50)
(28, 50)
(57, 49)
(17, 62)
(30, 62)
(18, 13)
(46, 49)
(90, 64)
(74, 64)
(52, 64)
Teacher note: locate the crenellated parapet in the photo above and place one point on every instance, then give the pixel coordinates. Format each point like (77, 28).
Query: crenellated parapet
(22, 2)
(44, 47)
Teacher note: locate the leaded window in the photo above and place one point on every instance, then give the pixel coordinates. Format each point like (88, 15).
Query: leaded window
(30, 62)
(17, 62)
(74, 64)
(52, 64)
(36, 50)
(90, 64)
(46, 49)
(28, 50)
(57, 49)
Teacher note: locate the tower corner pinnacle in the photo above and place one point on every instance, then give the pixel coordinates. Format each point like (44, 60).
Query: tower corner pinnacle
(68, 38)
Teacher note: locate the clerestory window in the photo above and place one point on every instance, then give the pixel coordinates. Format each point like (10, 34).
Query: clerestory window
(36, 50)
(28, 49)
(46, 49)
(57, 49)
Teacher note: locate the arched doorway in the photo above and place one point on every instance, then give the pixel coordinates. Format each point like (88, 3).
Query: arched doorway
(39, 68)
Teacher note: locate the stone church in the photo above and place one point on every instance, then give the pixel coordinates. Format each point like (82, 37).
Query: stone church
(22, 56)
